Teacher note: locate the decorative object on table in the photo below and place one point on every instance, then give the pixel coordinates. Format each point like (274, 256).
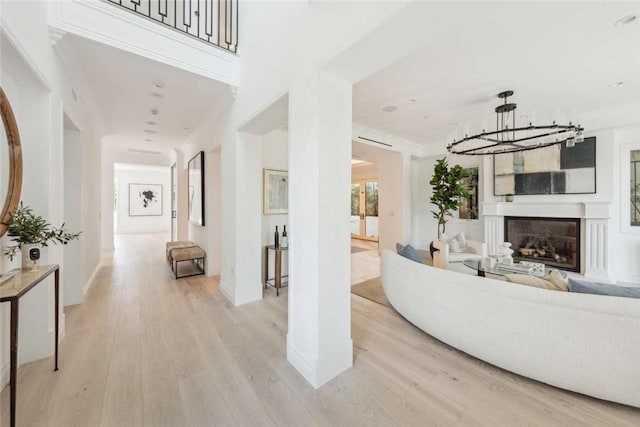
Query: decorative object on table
(508, 197)
(31, 232)
(447, 191)
(285, 239)
(275, 192)
(145, 199)
(508, 138)
(11, 165)
(490, 261)
(276, 238)
(504, 253)
(196, 189)
(538, 267)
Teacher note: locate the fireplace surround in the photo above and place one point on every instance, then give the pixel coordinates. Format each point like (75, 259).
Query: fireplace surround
(595, 224)
(552, 241)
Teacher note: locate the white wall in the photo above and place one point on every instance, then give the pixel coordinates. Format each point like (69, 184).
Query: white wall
(625, 240)
(41, 88)
(126, 174)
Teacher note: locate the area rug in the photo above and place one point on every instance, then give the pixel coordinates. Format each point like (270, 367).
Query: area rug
(355, 249)
(372, 290)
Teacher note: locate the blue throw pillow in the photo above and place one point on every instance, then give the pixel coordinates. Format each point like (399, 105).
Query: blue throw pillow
(584, 287)
(410, 253)
(399, 248)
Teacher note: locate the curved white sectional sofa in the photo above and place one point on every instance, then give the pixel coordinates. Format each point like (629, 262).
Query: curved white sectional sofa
(589, 344)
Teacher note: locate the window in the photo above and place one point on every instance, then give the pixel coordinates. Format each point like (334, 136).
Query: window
(469, 205)
(634, 216)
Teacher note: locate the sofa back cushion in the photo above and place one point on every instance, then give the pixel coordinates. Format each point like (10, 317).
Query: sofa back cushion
(585, 287)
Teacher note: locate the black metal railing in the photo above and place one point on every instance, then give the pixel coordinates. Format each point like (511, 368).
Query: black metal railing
(212, 21)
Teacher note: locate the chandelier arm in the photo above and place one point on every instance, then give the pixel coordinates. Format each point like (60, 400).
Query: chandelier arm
(483, 135)
(516, 148)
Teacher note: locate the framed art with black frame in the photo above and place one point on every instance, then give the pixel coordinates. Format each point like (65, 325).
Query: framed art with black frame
(196, 189)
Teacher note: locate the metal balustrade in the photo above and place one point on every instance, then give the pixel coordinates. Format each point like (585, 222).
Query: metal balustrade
(212, 21)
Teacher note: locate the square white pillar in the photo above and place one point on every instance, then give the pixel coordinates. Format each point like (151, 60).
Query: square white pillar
(319, 340)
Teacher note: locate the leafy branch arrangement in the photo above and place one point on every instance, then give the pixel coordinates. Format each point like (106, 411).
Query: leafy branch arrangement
(26, 227)
(447, 191)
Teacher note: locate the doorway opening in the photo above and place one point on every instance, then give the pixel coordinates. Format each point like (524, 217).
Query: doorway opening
(364, 209)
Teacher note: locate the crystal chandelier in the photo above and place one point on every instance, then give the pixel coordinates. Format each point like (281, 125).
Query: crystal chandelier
(507, 138)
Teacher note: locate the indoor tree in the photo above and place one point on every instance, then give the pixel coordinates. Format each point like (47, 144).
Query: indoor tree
(447, 191)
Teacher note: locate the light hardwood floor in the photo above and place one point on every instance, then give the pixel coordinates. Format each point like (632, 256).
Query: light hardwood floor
(365, 265)
(145, 349)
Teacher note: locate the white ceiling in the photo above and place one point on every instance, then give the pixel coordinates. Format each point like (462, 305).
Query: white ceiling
(559, 58)
(122, 87)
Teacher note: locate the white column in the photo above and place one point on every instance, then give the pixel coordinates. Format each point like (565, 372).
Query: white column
(597, 263)
(493, 232)
(319, 339)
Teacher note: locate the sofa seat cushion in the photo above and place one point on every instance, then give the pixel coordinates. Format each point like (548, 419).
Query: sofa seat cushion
(461, 256)
(585, 287)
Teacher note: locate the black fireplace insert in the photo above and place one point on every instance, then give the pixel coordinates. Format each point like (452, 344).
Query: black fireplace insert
(552, 241)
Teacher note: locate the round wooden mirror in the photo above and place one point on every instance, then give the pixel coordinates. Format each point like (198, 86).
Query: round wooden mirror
(10, 163)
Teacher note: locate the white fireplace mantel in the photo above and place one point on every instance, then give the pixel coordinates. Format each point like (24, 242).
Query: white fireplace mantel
(593, 210)
(596, 217)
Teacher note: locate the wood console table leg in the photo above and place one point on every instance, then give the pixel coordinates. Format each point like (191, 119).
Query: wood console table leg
(13, 370)
(278, 266)
(57, 311)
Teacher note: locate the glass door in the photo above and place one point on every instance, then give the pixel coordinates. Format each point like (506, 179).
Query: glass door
(364, 209)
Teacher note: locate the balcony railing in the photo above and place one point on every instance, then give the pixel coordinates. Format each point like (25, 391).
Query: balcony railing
(212, 21)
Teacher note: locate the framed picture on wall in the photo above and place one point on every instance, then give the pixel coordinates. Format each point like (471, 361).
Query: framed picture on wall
(557, 169)
(275, 192)
(196, 189)
(145, 199)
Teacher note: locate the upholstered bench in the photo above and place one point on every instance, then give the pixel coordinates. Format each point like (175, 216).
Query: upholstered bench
(185, 251)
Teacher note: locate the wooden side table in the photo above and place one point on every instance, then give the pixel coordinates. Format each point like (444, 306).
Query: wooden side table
(11, 291)
(276, 281)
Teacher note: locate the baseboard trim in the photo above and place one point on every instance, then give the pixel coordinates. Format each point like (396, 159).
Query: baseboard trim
(89, 283)
(228, 291)
(301, 363)
(214, 271)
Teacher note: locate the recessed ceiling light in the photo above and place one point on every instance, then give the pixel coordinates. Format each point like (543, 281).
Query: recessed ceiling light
(625, 20)
(156, 95)
(186, 128)
(426, 117)
(411, 101)
(453, 124)
(389, 108)
(158, 84)
(150, 131)
(148, 139)
(150, 123)
(615, 84)
(154, 111)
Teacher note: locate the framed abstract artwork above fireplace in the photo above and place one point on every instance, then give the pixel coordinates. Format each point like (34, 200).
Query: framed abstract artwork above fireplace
(557, 169)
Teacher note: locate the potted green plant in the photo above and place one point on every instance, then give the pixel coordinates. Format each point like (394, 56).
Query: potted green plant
(31, 232)
(447, 191)
(508, 197)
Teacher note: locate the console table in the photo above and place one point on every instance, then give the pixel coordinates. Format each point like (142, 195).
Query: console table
(276, 282)
(11, 291)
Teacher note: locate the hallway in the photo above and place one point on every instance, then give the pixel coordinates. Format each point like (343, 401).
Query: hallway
(145, 349)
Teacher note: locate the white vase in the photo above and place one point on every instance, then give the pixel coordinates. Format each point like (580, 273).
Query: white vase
(30, 256)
